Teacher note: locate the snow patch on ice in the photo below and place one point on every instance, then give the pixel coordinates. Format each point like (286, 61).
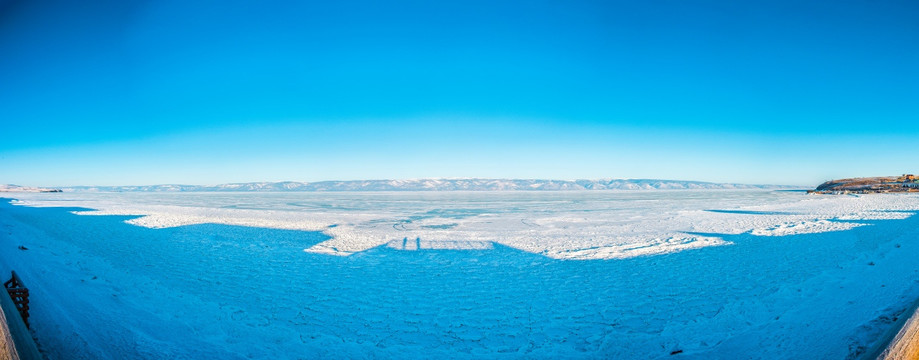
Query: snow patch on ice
(877, 215)
(638, 248)
(805, 227)
(418, 244)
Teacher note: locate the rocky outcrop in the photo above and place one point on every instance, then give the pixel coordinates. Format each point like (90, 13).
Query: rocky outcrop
(888, 184)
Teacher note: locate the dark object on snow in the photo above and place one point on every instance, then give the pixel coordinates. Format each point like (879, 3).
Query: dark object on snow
(675, 352)
(20, 295)
(23, 247)
(16, 341)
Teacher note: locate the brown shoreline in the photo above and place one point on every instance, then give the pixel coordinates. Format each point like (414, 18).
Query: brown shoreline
(901, 342)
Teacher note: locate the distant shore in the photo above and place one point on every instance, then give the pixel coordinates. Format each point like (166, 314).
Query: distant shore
(19, 189)
(872, 185)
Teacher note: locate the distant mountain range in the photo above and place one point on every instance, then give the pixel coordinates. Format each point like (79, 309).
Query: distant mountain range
(439, 185)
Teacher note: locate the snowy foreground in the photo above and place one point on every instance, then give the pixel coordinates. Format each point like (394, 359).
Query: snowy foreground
(600, 274)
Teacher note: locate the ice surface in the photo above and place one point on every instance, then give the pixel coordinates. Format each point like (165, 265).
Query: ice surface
(568, 225)
(459, 275)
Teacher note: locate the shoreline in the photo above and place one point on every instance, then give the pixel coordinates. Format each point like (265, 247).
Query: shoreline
(901, 341)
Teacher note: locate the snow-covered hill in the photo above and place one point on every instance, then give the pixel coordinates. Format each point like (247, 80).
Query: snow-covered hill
(440, 185)
(17, 188)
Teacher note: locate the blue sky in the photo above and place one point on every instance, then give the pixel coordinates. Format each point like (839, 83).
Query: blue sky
(137, 92)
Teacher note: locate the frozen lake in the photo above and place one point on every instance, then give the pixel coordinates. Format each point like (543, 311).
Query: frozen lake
(579, 274)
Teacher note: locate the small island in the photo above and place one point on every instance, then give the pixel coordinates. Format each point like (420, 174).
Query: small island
(869, 185)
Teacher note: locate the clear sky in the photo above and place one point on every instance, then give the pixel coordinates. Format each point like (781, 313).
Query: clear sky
(150, 92)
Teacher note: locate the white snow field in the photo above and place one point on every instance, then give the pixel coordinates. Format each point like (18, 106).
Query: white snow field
(692, 274)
